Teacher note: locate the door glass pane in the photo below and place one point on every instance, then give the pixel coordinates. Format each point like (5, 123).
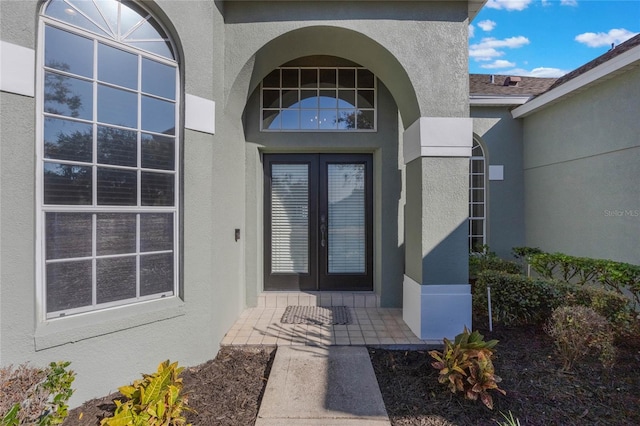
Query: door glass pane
(347, 231)
(290, 218)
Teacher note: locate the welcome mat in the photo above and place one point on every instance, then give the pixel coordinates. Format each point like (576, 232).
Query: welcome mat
(316, 315)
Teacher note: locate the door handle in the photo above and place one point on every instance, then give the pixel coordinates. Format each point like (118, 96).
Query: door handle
(323, 230)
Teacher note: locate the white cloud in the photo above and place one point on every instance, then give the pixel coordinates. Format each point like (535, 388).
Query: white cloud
(546, 3)
(484, 54)
(569, 2)
(491, 42)
(472, 31)
(487, 49)
(508, 4)
(487, 25)
(499, 63)
(536, 72)
(616, 36)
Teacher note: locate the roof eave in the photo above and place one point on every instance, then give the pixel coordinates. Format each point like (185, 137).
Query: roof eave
(496, 100)
(605, 70)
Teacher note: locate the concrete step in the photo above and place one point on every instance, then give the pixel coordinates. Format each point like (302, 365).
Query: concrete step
(327, 386)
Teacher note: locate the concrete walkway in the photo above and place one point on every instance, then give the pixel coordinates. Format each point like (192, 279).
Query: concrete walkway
(322, 386)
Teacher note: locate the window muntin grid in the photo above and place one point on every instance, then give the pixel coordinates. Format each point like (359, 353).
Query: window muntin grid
(318, 99)
(108, 161)
(477, 198)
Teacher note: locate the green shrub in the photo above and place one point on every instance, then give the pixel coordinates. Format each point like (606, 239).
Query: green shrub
(623, 278)
(616, 308)
(516, 299)
(486, 260)
(465, 366)
(35, 396)
(578, 331)
(153, 401)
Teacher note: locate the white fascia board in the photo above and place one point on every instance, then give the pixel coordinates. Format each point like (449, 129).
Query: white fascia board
(17, 69)
(495, 100)
(603, 70)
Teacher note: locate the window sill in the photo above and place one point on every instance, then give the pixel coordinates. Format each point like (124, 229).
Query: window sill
(60, 331)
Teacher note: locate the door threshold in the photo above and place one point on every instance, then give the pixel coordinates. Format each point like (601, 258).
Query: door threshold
(352, 299)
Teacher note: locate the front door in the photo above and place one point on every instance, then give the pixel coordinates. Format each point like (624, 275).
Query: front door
(318, 222)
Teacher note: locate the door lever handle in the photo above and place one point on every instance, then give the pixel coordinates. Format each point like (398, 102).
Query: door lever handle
(323, 230)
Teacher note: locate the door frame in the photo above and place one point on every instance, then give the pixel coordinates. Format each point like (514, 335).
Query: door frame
(317, 278)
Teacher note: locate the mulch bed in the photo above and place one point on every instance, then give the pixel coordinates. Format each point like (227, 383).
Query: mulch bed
(227, 390)
(538, 393)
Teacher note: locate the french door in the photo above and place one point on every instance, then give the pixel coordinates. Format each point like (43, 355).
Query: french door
(318, 222)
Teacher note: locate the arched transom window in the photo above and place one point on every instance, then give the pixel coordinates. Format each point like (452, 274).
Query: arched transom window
(319, 99)
(477, 198)
(108, 157)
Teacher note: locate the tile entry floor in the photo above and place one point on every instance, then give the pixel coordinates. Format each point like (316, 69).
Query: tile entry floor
(369, 326)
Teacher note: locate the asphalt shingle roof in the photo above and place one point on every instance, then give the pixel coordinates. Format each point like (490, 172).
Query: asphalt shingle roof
(480, 84)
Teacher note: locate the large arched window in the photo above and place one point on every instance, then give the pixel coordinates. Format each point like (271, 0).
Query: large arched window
(107, 157)
(477, 198)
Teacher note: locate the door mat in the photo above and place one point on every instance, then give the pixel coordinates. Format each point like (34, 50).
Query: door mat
(316, 315)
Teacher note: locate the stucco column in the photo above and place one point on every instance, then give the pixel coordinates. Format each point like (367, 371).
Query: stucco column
(437, 294)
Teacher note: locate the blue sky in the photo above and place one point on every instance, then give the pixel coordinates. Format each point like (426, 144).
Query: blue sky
(547, 38)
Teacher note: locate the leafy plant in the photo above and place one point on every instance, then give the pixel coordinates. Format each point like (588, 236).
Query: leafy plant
(152, 401)
(465, 366)
(35, 396)
(509, 420)
(578, 331)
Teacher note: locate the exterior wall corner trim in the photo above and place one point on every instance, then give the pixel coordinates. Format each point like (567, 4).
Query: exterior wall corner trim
(438, 137)
(17, 69)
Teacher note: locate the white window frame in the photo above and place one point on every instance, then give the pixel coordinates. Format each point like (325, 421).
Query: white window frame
(94, 208)
(472, 200)
(337, 69)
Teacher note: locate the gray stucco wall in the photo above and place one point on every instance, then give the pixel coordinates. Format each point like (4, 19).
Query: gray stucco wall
(582, 168)
(418, 50)
(437, 191)
(501, 137)
(111, 348)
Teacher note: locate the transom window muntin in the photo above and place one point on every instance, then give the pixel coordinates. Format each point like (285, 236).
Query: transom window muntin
(318, 99)
(477, 198)
(128, 23)
(109, 167)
